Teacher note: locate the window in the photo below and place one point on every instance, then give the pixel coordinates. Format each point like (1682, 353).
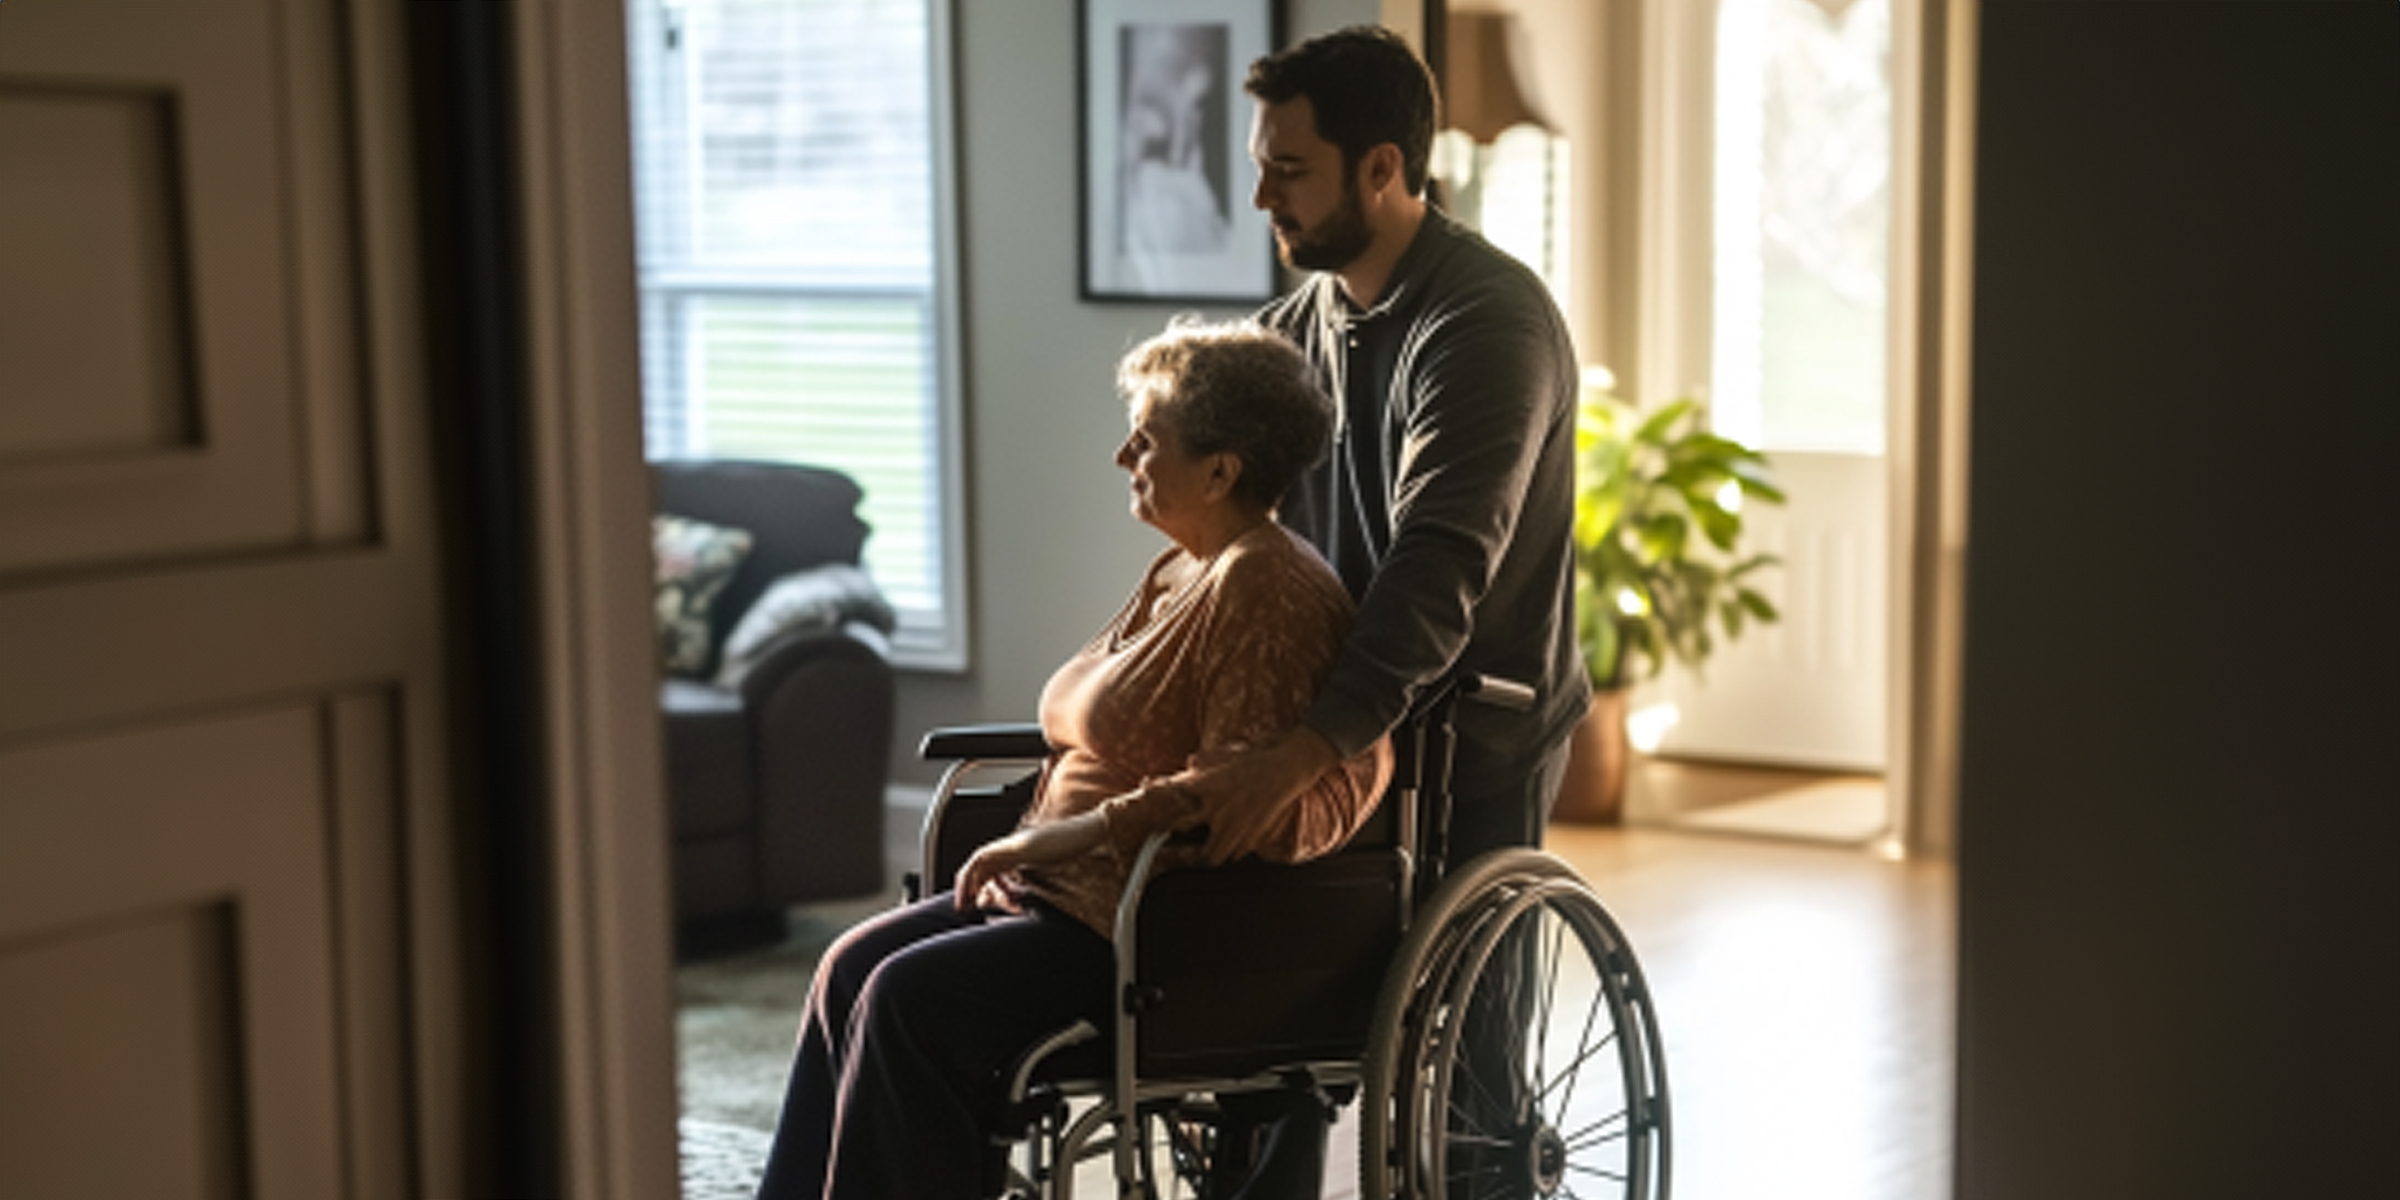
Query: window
(1803, 198)
(791, 206)
(1514, 191)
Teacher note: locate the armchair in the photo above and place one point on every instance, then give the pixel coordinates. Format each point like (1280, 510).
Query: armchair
(776, 760)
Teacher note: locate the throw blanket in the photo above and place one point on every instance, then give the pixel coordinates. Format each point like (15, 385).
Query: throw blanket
(805, 603)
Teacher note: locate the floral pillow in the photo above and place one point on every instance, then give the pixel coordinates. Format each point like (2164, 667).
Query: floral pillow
(695, 562)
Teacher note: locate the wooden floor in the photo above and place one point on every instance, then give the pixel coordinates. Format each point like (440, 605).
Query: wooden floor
(1805, 996)
(1804, 990)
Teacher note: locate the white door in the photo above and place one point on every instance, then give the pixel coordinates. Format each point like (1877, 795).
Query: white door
(228, 958)
(1807, 691)
(1801, 107)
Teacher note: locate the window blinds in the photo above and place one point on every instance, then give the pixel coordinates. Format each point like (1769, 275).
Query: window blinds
(784, 202)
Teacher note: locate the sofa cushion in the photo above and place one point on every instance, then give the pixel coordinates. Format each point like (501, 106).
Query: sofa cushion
(798, 516)
(709, 770)
(695, 560)
(809, 602)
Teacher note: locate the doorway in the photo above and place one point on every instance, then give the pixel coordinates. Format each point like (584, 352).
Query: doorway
(1797, 115)
(1763, 259)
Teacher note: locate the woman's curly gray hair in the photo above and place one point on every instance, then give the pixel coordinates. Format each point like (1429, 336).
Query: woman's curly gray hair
(1234, 387)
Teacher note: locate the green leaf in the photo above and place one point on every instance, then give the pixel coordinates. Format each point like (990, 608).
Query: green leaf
(1697, 579)
(1695, 480)
(1723, 528)
(1708, 449)
(1603, 650)
(1663, 538)
(1653, 431)
(1596, 517)
(1755, 482)
(1647, 635)
(1647, 483)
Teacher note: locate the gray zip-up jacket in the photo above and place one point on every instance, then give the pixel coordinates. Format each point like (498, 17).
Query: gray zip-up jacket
(1447, 505)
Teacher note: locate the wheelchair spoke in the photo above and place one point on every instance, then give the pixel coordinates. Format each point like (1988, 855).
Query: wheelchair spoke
(1584, 1050)
(1461, 1181)
(1597, 1173)
(1498, 1076)
(1477, 1140)
(1583, 1054)
(1597, 1133)
(1482, 1107)
(1512, 984)
(1566, 1187)
(1464, 1122)
(1545, 999)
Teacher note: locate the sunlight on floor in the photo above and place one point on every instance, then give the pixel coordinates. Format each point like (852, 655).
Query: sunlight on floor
(1805, 996)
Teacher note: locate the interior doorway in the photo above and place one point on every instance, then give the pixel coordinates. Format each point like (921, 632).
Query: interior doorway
(1739, 195)
(1797, 114)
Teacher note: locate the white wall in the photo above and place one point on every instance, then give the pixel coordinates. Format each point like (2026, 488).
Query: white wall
(1053, 550)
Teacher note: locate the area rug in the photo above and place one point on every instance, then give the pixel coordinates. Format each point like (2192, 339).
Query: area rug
(735, 1018)
(720, 1162)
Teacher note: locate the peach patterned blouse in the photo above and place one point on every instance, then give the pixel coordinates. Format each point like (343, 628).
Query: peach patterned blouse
(1225, 660)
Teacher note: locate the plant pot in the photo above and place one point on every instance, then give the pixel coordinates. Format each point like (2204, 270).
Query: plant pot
(1593, 792)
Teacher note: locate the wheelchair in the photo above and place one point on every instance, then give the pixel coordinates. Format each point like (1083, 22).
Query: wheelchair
(1491, 1020)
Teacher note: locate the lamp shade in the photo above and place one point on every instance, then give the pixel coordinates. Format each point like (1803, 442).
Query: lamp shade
(1481, 94)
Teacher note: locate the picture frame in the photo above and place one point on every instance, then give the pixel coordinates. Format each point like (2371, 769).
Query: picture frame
(1165, 151)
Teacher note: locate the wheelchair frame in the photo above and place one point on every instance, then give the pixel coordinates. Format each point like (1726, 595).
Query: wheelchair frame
(1418, 1073)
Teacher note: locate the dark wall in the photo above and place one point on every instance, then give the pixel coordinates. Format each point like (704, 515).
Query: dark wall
(2180, 757)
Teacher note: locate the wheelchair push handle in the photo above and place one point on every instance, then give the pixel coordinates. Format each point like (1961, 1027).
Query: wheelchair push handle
(1493, 690)
(1422, 774)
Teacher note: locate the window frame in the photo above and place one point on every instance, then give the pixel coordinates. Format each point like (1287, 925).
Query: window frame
(946, 645)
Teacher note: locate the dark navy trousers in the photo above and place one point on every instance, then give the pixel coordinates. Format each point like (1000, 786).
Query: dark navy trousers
(911, 1019)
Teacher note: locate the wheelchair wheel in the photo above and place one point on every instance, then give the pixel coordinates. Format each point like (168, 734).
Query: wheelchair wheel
(1514, 1051)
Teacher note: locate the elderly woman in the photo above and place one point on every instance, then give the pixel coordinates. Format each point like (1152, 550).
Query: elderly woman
(1221, 646)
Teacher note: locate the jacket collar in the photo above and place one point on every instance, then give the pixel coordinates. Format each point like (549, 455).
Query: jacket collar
(1433, 235)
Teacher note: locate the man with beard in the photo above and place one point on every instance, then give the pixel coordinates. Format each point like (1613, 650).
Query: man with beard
(1447, 504)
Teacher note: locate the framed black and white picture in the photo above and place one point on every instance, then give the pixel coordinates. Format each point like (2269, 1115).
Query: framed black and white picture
(1166, 158)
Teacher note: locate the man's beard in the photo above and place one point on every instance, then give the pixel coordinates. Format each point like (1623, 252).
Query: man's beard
(1335, 243)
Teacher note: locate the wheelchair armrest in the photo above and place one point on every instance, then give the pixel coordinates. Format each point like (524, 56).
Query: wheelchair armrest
(1007, 740)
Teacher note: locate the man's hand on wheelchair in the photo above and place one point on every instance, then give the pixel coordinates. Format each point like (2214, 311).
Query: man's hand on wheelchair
(1259, 781)
(981, 883)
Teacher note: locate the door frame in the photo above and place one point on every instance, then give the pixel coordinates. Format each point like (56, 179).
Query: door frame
(604, 797)
(1933, 125)
(601, 784)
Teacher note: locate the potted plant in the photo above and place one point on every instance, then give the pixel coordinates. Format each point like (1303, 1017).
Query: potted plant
(1659, 565)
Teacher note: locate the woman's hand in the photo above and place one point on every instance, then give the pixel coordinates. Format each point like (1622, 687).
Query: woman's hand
(979, 886)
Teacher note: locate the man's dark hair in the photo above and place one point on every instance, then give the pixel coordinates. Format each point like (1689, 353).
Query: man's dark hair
(1367, 88)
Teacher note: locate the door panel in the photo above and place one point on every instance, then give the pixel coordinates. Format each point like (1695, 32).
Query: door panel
(229, 885)
(1809, 689)
(163, 940)
(171, 190)
(147, 997)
